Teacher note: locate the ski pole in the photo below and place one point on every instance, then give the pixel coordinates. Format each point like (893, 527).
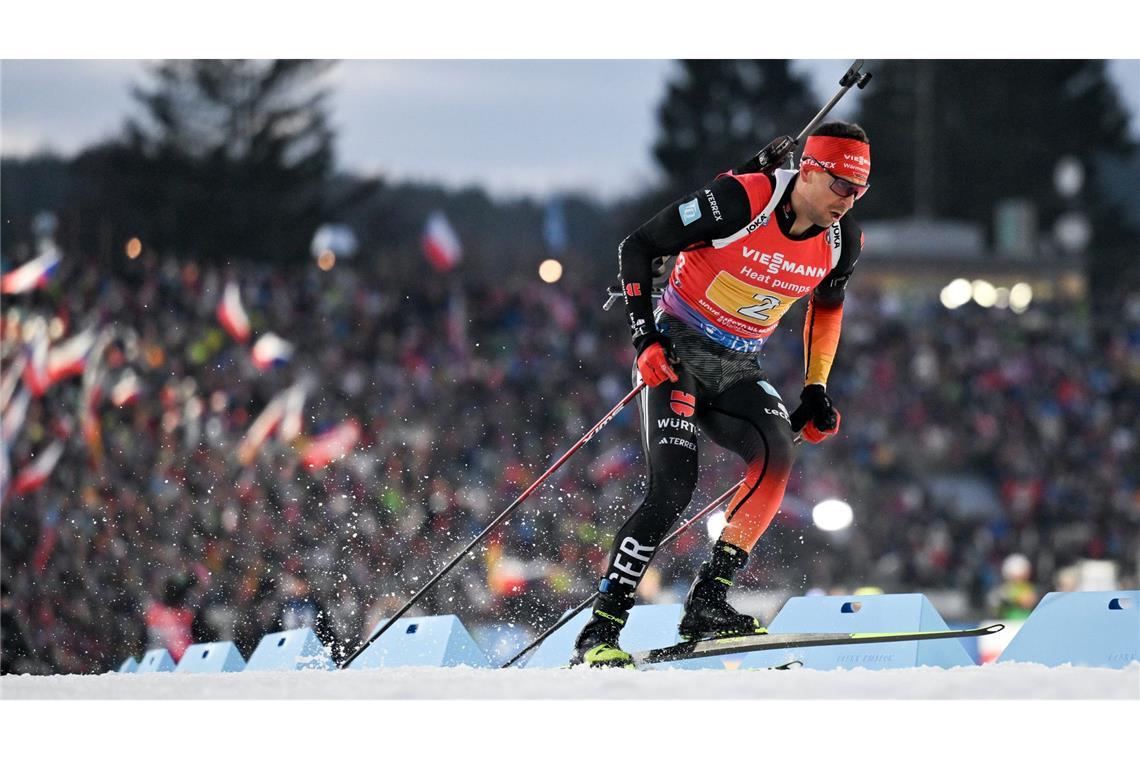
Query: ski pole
(435, 579)
(586, 603)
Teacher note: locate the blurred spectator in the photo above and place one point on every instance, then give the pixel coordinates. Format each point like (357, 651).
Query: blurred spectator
(1016, 597)
(169, 620)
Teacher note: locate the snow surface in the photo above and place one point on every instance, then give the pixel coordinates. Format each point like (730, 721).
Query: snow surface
(1001, 681)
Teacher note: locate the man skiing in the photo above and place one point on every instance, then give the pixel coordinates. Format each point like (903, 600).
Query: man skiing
(748, 246)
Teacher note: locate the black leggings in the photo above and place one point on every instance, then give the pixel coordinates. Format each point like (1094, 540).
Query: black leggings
(748, 418)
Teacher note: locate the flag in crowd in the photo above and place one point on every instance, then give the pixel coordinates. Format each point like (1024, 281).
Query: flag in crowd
(14, 416)
(32, 275)
(441, 243)
(70, 357)
(270, 350)
(232, 315)
(127, 390)
(35, 474)
(35, 370)
(331, 445)
(284, 414)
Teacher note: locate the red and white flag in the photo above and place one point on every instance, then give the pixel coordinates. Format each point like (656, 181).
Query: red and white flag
(36, 474)
(331, 445)
(14, 416)
(11, 379)
(127, 390)
(232, 315)
(271, 351)
(36, 369)
(70, 357)
(34, 274)
(441, 244)
(261, 429)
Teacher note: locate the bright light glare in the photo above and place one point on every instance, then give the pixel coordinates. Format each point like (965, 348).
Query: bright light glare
(716, 523)
(832, 514)
(1020, 296)
(956, 294)
(985, 294)
(550, 271)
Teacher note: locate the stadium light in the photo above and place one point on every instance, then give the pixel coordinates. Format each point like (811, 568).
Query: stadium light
(985, 294)
(1001, 296)
(1020, 296)
(832, 515)
(715, 524)
(550, 271)
(956, 294)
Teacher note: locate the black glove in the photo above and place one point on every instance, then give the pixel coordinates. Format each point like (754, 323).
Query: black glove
(815, 406)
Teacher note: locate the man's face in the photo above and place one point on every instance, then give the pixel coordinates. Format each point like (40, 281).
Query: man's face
(824, 205)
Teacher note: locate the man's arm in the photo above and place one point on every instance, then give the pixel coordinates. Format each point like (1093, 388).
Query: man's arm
(715, 211)
(824, 316)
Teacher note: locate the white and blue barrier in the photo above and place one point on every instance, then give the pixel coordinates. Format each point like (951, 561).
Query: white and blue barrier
(439, 640)
(649, 626)
(156, 661)
(1099, 629)
(1093, 629)
(215, 657)
(298, 649)
(862, 614)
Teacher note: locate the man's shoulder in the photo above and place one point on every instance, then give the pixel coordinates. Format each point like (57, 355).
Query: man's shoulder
(757, 185)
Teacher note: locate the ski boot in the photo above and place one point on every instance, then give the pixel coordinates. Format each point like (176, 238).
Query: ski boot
(597, 644)
(708, 615)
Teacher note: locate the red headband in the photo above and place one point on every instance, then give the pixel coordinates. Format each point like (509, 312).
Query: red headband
(839, 155)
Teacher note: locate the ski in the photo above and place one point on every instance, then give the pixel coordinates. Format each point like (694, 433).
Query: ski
(760, 642)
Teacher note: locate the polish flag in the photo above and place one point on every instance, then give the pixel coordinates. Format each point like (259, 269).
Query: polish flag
(232, 315)
(261, 429)
(127, 390)
(8, 384)
(271, 351)
(441, 244)
(36, 474)
(14, 416)
(70, 357)
(36, 370)
(34, 274)
(332, 445)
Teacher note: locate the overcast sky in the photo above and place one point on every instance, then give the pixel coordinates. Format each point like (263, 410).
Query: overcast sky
(512, 126)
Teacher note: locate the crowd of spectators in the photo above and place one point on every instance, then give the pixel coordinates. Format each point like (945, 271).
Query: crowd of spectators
(967, 435)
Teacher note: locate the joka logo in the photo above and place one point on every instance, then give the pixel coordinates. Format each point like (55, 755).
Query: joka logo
(690, 212)
(684, 404)
(633, 289)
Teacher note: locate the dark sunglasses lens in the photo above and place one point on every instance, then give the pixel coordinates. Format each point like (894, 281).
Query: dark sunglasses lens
(845, 189)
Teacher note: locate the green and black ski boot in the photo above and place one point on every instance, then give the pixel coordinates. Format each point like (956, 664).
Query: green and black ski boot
(597, 644)
(708, 615)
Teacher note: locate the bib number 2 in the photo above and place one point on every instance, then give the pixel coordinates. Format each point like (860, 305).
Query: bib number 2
(760, 311)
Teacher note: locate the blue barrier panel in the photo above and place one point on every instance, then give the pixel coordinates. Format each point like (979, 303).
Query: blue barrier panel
(862, 614)
(215, 657)
(1099, 629)
(298, 649)
(439, 640)
(130, 665)
(156, 661)
(649, 626)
